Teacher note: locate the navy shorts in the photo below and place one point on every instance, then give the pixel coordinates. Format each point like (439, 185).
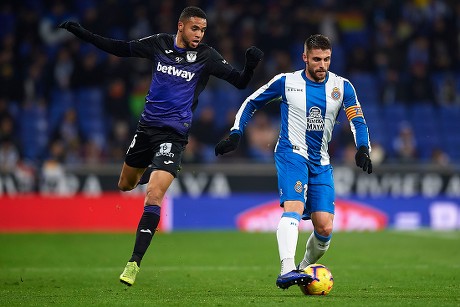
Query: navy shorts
(160, 147)
(297, 182)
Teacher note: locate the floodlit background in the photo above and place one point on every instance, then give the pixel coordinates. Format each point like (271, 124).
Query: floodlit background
(68, 112)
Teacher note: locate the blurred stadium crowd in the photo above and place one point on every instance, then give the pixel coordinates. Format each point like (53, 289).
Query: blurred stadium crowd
(64, 101)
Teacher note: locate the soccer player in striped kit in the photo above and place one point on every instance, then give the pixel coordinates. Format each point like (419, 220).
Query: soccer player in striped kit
(311, 99)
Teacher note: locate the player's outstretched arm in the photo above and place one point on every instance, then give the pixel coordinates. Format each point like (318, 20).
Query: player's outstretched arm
(228, 144)
(115, 47)
(363, 159)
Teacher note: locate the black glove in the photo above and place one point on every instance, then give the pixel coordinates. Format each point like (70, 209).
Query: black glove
(69, 25)
(363, 159)
(253, 57)
(228, 144)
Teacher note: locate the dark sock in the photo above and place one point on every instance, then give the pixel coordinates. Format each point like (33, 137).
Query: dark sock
(145, 231)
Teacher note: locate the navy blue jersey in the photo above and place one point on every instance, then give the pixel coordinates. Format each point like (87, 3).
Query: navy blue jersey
(178, 77)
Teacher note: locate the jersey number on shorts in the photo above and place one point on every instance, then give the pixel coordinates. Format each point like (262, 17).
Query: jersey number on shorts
(132, 143)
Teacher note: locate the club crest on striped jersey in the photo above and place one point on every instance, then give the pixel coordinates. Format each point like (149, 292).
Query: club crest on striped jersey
(191, 56)
(298, 187)
(336, 94)
(315, 121)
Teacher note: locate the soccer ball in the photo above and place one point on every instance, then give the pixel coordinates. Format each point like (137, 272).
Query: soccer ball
(322, 280)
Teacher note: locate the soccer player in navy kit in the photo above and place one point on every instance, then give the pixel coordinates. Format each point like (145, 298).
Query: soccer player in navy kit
(311, 99)
(181, 68)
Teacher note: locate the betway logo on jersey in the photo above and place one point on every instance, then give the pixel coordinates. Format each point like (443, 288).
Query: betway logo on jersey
(171, 70)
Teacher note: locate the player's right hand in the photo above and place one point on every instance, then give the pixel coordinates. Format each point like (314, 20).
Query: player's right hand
(228, 144)
(69, 24)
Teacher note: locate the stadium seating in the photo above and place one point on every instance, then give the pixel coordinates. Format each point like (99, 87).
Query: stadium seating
(366, 87)
(90, 112)
(424, 123)
(60, 102)
(374, 123)
(449, 121)
(33, 132)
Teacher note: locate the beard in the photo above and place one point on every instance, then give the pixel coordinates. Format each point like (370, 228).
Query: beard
(187, 42)
(316, 75)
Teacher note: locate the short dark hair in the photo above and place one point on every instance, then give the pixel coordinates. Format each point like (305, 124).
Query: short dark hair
(192, 11)
(318, 41)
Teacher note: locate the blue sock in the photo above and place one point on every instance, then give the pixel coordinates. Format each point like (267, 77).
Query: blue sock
(153, 209)
(322, 238)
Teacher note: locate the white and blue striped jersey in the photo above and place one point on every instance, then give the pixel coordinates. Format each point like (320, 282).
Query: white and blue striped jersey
(308, 113)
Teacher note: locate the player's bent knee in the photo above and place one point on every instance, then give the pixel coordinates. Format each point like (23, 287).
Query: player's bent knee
(324, 231)
(125, 186)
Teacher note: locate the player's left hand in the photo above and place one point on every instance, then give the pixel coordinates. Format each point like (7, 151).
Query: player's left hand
(363, 159)
(253, 57)
(228, 144)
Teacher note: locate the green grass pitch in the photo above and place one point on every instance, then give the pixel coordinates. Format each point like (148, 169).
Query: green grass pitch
(388, 268)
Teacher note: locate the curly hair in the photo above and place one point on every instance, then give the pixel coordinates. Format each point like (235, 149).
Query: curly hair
(192, 11)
